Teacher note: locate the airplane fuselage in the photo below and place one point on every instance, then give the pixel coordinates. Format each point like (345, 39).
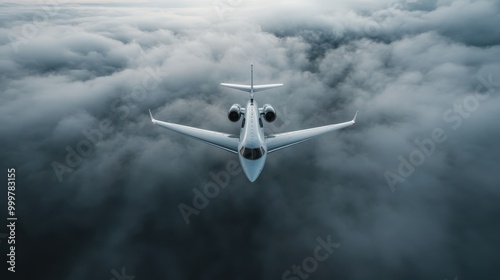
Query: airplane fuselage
(252, 150)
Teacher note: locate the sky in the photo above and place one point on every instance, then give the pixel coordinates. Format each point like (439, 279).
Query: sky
(409, 192)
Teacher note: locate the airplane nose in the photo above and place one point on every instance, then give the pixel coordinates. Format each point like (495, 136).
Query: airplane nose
(252, 169)
(253, 176)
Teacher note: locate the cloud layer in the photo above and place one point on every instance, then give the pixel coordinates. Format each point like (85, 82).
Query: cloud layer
(411, 191)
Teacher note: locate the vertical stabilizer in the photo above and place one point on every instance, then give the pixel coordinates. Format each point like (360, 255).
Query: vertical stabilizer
(251, 82)
(251, 74)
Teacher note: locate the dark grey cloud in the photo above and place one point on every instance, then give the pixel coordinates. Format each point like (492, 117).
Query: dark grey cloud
(81, 78)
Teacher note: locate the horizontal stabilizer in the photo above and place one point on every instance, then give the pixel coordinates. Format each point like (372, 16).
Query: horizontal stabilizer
(248, 88)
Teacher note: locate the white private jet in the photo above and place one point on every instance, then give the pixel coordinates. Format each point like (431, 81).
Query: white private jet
(252, 145)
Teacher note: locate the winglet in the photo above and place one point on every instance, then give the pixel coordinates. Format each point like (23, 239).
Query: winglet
(354, 120)
(151, 115)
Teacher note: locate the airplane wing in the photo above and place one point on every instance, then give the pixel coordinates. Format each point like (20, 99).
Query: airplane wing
(221, 140)
(279, 141)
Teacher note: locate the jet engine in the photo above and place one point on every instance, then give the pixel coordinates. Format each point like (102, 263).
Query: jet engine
(234, 113)
(269, 113)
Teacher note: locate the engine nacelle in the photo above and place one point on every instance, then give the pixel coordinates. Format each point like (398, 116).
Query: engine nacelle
(269, 113)
(234, 113)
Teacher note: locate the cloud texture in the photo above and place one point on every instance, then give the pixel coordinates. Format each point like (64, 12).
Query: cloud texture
(99, 187)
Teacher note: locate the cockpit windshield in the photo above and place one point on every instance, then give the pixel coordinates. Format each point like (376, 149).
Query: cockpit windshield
(252, 154)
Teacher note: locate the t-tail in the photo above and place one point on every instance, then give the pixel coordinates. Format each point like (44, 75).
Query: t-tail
(251, 88)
